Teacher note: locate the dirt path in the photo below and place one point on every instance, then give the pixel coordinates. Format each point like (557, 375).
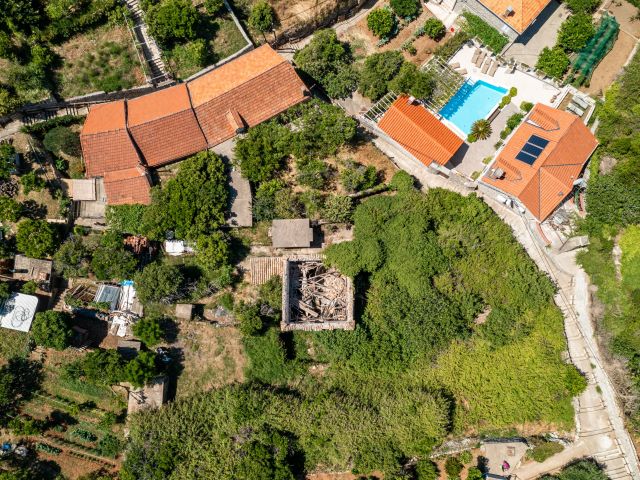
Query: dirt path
(611, 65)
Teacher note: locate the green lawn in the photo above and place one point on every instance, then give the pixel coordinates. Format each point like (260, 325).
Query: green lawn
(13, 344)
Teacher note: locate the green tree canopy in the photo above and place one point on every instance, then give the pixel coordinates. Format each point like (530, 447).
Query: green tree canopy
(212, 251)
(405, 8)
(10, 210)
(99, 367)
(191, 204)
(62, 139)
(149, 331)
(52, 329)
(412, 81)
(7, 153)
(434, 28)
(72, 258)
(110, 260)
(262, 17)
(261, 153)
(172, 21)
(575, 32)
(142, 369)
(381, 22)
(157, 282)
(36, 238)
(553, 61)
(379, 69)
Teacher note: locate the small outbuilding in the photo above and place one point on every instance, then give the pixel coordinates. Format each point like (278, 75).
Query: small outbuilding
(129, 348)
(295, 233)
(83, 189)
(184, 311)
(33, 269)
(151, 396)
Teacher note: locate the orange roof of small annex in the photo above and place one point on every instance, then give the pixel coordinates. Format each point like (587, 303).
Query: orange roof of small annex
(542, 186)
(419, 132)
(524, 11)
(106, 143)
(127, 186)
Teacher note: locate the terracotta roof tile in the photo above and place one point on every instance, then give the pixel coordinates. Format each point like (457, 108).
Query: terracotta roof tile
(106, 144)
(419, 132)
(524, 11)
(127, 186)
(542, 186)
(253, 88)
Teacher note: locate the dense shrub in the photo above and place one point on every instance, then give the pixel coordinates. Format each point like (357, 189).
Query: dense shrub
(413, 81)
(378, 70)
(36, 238)
(213, 6)
(477, 27)
(149, 331)
(212, 252)
(262, 17)
(381, 22)
(141, 370)
(72, 258)
(52, 329)
(405, 8)
(553, 62)
(62, 139)
(248, 315)
(453, 467)
(451, 46)
(172, 21)
(329, 62)
(10, 210)
(157, 282)
(261, 153)
(338, 208)
(434, 28)
(189, 57)
(110, 260)
(355, 177)
(545, 450)
(31, 182)
(575, 32)
(582, 6)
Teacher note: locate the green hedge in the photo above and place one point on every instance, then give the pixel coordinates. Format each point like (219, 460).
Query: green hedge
(492, 38)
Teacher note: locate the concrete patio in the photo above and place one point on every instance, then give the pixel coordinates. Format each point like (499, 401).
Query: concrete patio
(530, 88)
(469, 158)
(527, 47)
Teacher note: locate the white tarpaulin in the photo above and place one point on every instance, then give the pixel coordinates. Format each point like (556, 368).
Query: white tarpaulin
(16, 313)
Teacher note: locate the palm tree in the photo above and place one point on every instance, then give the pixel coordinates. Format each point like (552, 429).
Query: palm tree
(480, 130)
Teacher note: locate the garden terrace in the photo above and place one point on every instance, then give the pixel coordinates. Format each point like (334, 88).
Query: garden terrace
(315, 297)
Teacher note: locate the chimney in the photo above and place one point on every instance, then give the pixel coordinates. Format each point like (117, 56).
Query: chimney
(411, 100)
(509, 11)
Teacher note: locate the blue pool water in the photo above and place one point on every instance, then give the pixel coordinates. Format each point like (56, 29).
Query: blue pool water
(473, 101)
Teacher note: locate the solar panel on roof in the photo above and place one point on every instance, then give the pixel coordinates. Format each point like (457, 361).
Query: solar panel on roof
(532, 149)
(538, 141)
(526, 158)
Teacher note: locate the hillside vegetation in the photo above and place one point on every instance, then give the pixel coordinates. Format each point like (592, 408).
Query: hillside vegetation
(417, 368)
(613, 207)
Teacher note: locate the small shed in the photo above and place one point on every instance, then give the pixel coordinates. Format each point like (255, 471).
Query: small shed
(150, 396)
(26, 269)
(184, 311)
(295, 233)
(129, 348)
(83, 189)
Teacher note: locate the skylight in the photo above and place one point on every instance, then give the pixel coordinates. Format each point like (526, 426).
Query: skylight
(532, 149)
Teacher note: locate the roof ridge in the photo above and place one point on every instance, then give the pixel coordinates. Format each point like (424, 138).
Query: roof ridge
(264, 72)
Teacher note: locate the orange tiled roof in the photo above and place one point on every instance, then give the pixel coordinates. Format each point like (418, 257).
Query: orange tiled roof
(176, 122)
(127, 186)
(542, 186)
(524, 11)
(106, 144)
(419, 132)
(164, 126)
(247, 91)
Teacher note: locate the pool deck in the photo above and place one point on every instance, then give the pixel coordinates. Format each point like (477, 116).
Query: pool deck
(530, 88)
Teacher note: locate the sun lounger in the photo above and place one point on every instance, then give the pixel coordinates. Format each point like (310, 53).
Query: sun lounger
(492, 70)
(455, 65)
(480, 59)
(485, 67)
(476, 54)
(580, 102)
(576, 110)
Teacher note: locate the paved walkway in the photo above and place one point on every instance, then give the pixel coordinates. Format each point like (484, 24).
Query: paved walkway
(599, 420)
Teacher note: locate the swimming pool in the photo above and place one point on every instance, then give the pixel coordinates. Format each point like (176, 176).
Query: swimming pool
(474, 100)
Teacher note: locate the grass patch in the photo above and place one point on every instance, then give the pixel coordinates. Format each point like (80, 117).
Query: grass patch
(13, 344)
(545, 450)
(101, 60)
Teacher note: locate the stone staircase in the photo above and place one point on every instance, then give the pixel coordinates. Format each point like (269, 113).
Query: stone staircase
(158, 73)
